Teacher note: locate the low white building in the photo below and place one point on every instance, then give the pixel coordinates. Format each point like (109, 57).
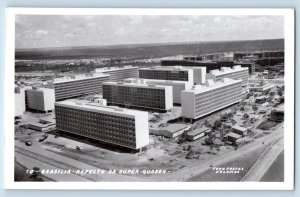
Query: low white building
(40, 99)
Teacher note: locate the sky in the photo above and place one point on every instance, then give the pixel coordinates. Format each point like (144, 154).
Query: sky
(39, 31)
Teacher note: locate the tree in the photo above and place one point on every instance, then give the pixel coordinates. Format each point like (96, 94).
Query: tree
(242, 109)
(272, 94)
(217, 125)
(246, 116)
(254, 108)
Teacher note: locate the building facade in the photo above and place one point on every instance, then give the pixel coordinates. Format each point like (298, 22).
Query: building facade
(77, 86)
(110, 125)
(203, 100)
(119, 73)
(40, 99)
(177, 86)
(20, 106)
(195, 75)
(237, 72)
(155, 97)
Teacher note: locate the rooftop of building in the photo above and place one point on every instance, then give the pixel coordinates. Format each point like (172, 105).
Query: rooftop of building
(167, 68)
(211, 85)
(173, 128)
(239, 128)
(141, 80)
(198, 131)
(227, 70)
(41, 89)
(78, 77)
(136, 84)
(88, 105)
(109, 69)
(234, 135)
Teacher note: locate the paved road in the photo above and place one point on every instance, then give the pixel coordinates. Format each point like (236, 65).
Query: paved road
(262, 165)
(48, 160)
(197, 169)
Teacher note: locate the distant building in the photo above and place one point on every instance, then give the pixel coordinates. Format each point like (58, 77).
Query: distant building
(210, 65)
(240, 130)
(197, 133)
(109, 125)
(40, 99)
(20, 106)
(203, 100)
(119, 73)
(170, 131)
(141, 95)
(260, 88)
(195, 75)
(177, 86)
(77, 85)
(237, 72)
(232, 137)
(44, 124)
(277, 115)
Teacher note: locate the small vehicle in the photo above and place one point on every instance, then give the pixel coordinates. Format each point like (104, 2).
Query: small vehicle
(43, 137)
(28, 143)
(78, 148)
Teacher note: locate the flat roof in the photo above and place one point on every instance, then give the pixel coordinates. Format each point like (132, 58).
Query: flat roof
(236, 127)
(78, 78)
(142, 85)
(198, 131)
(108, 69)
(91, 106)
(227, 70)
(217, 84)
(157, 80)
(167, 68)
(40, 89)
(231, 134)
(173, 128)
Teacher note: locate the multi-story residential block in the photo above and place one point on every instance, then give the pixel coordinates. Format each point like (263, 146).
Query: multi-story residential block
(119, 73)
(20, 106)
(76, 86)
(237, 72)
(177, 86)
(203, 100)
(40, 99)
(194, 75)
(110, 125)
(156, 97)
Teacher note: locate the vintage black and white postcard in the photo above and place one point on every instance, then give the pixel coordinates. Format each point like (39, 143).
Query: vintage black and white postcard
(185, 99)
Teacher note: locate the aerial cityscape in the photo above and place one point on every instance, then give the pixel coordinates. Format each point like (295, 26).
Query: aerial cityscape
(190, 110)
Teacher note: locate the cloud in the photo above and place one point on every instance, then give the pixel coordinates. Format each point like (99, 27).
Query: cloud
(72, 30)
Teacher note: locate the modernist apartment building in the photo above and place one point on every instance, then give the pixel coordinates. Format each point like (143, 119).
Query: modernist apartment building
(76, 86)
(119, 73)
(155, 97)
(194, 75)
(177, 86)
(40, 99)
(20, 106)
(203, 100)
(237, 72)
(110, 125)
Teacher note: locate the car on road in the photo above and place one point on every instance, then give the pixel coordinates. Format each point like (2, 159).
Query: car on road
(28, 143)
